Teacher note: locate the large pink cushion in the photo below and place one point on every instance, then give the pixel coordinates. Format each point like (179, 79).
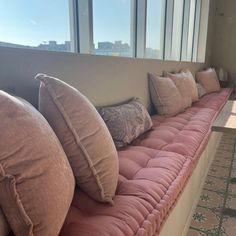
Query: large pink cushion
(83, 135)
(150, 181)
(182, 83)
(165, 95)
(191, 84)
(36, 180)
(209, 80)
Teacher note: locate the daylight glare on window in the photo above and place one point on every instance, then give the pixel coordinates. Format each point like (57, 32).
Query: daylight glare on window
(155, 28)
(37, 24)
(112, 27)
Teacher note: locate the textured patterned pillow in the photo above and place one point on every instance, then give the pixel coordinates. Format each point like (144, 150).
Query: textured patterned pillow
(126, 122)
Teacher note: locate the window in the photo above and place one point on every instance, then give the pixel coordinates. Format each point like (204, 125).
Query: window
(38, 24)
(112, 27)
(160, 29)
(174, 25)
(155, 29)
(177, 29)
(188, 30)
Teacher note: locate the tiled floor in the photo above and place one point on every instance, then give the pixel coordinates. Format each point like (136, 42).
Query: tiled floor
(219, 193)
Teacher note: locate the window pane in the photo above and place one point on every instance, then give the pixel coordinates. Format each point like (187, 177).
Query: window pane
(112, 27)
(191, 30)
(38, 24)
(177, 29)
(155, 28)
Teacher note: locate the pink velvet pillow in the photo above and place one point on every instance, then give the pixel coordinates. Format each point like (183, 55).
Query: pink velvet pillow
(209, 80)
(182, 84)
(83, 135)
(36, 180)
(165, 95)
(191, 83)
(4, 226)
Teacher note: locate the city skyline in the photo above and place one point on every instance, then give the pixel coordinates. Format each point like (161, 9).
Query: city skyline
(117, 48)
(31, 23)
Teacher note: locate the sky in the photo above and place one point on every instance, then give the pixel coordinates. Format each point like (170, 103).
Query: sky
(31, 22)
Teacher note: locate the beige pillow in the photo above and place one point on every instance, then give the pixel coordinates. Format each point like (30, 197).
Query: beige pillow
(34, 171)
(165, 95)
(209, 80)
(192, 85)
(4, 226)
(83, 135)
(126, 121)
(181, 82)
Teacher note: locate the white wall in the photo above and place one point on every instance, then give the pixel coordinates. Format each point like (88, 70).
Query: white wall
(224, 37)
(105, 80)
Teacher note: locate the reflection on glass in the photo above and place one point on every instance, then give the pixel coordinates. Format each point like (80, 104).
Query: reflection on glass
(155, 28)
(112, 27)
(38, 24)
(177, 29)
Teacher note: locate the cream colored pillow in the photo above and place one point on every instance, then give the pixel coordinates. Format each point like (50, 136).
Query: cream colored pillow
(83, 135)
(182, 84)
(192, 85)
(165, 95)
(36, 180)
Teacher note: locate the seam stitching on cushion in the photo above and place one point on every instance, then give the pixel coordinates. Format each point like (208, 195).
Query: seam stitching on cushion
(10, 189)
(68, 123)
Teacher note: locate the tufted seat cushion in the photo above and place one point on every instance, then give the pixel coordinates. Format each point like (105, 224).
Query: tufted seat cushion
(152, 174)
(214, 100)
(149, 183)
(187, 133)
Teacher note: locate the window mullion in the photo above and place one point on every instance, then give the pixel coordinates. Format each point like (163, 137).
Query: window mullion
(196, 30)
(169, 28)
(85, 25)
(73, 10)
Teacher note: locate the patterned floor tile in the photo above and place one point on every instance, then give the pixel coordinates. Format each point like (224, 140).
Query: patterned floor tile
(211, 199)
(222, 162)
(234, 164)
(232, 189)
(229, 226)
(205, 220)
(215, 184)
(231, 202)
(228, 140)
(193, 232)
(217, 194)
(226, 146)
(223, 154)
(219, 171)
(233, 173)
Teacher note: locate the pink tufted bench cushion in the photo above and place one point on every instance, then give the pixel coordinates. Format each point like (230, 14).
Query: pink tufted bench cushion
(149, 184)
(153, 173)
(187, 133)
